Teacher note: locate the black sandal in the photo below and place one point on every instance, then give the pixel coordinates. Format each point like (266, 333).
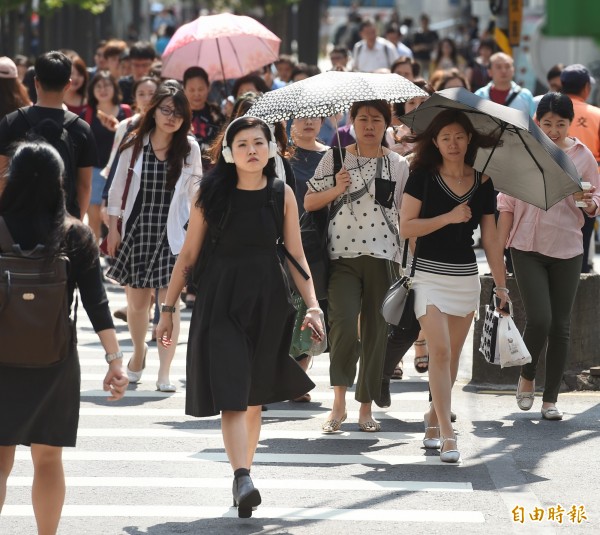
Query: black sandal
(422, 362)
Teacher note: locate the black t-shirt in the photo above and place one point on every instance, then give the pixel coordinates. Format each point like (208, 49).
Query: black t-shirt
(304, 162)
(105, 137)
(429, 38)
(452, 244)
(14, 128)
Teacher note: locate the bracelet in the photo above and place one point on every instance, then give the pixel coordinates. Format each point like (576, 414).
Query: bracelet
(168, 308)
(113, 356)
(500, 289)
(314, 309)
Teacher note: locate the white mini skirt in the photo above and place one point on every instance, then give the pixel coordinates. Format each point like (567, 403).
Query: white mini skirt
(453, 295)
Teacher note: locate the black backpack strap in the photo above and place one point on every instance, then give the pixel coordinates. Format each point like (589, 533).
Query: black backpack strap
(276, 199)
(6, 240)
(23, 113)
(69, 119)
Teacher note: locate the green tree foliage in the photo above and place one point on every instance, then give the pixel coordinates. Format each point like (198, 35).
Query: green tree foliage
(45, 6)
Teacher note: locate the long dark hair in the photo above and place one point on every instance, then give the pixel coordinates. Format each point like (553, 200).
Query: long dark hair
(13, 95)
(218, 184)
(180, 147)
(426, 154)
(34, 188)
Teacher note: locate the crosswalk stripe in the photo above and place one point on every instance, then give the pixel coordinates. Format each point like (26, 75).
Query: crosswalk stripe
(271, 458)
(265, 434)
(283, 484)
(271, 414)
(294, 513)
(316, 396)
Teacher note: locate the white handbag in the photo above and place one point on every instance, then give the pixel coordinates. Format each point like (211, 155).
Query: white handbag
(512, 348)
(488, 345)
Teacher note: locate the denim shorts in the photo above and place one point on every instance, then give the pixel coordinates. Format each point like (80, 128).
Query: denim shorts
(98, 182)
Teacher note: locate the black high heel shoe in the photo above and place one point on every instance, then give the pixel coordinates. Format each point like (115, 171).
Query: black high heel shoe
(245, 496)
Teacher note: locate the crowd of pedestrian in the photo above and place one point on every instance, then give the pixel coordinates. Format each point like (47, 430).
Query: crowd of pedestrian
(191, 198)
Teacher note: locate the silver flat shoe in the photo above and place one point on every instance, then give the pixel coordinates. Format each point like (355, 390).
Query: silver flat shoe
(165, 387)
(525, 399)
(449, 456)
(135, 377)
(552, 413)
(429, 442)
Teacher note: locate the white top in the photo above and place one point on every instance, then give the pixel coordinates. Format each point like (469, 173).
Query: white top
(184, 194)
(367, 59)
(371, 229)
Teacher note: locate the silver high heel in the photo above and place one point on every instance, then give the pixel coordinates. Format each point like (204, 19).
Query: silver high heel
(431, 443)
(449, 456)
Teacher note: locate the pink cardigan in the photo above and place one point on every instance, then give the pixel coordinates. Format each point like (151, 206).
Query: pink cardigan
(556, 232)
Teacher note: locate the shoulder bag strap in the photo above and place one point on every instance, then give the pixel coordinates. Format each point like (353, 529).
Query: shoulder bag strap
(6, 241)
(278, 216)
(134, 155)
(512, 97)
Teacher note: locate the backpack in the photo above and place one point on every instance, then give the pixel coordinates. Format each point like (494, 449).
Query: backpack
(58, 136)
(314, 234)
(35, 329)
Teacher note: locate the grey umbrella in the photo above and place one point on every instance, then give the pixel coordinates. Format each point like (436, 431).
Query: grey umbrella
(525, 164)
(332, 92)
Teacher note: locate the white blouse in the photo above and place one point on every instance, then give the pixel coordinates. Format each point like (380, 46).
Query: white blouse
(358, 225)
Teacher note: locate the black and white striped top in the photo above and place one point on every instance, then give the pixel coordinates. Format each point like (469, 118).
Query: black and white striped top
(449, 250)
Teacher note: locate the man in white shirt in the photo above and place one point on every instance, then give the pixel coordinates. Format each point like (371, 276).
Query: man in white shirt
(393, 34)
(371, 52)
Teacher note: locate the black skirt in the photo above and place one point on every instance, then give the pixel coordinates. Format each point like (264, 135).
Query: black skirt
(242, 322)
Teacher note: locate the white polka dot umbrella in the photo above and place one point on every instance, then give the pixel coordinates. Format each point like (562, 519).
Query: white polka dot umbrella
(332, 92)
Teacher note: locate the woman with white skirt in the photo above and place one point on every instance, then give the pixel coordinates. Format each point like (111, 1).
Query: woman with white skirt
(456, 200)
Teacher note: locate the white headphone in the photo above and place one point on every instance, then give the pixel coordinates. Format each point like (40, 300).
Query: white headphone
(226, 150)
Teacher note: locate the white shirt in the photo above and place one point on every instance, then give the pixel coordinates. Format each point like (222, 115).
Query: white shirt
(359, 226)
(381, 56)
(184, 194)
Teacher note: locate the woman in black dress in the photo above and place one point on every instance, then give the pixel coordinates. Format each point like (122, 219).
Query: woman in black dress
(44, 402)
(241, 326)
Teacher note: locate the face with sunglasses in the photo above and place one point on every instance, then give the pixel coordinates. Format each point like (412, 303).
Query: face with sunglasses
(167, 117)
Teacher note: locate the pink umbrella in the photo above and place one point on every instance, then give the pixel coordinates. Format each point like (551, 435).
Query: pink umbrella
(225, 45)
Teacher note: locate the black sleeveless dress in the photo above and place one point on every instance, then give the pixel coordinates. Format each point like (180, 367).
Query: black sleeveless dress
(242, 323)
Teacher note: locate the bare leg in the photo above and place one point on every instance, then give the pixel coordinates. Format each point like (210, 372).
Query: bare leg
(138, 302)
(48, 490)
(339, 403)
(444, 351)
(166, 354)
(235, 437)
(253, 422)
(7, 459)
(365, 413)
(420, 346)
(94, 219)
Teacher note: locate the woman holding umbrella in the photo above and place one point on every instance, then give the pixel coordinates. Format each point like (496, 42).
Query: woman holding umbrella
(546, 248)
(363, 245)
(445, 199)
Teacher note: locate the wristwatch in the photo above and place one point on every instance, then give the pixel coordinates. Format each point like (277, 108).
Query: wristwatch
(168, 308)
(113, 356)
